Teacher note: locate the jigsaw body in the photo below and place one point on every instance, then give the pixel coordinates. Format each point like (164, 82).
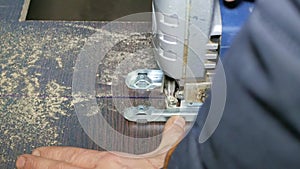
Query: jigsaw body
(190, 37)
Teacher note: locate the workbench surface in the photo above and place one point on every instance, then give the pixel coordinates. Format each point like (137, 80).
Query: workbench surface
(37, 60)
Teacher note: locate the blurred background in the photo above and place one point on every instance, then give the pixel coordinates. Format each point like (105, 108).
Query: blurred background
(85, 10)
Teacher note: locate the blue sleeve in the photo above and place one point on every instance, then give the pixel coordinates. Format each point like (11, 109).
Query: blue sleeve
(260, 127)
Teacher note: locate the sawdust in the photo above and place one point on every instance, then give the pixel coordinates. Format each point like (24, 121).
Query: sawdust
(31, 103)
(136, 49)
(85, 27)
(59, 62)
(81, 97)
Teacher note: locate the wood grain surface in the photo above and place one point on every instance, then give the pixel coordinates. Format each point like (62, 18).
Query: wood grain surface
(36, 102)
(37, 60)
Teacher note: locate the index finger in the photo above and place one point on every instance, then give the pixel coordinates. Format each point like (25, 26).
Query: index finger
(76, 156)
(33, 162)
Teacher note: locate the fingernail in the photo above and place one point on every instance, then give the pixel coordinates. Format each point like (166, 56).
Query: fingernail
(36, 153)
(21, 162)
(180, 122)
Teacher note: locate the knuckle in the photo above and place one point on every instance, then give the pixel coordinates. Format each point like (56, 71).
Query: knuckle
(72, 154)
(31, 164)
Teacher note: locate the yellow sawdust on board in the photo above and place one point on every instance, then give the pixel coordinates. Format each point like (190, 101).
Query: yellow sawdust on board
(27, 111)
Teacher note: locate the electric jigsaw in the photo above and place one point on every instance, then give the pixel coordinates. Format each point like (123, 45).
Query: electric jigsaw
(189, 39)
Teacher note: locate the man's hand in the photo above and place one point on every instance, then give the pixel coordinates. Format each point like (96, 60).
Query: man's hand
(78, 158)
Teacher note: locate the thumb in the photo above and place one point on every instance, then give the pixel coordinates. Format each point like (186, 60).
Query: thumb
(173, 133)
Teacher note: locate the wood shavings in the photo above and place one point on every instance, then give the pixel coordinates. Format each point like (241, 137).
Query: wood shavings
(31, 102)
(133, 47)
